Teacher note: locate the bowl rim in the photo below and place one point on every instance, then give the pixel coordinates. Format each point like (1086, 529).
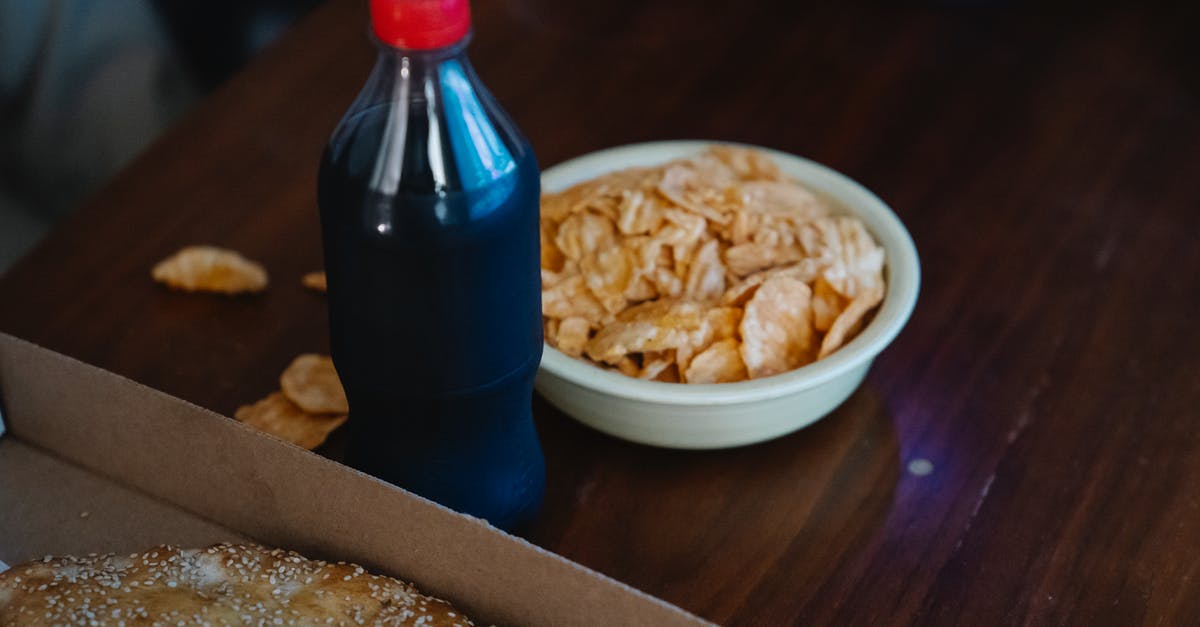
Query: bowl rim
(902, 268)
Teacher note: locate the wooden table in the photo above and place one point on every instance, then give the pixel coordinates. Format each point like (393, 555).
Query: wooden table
(1047, 163)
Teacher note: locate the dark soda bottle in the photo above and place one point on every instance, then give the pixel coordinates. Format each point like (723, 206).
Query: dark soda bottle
(429, 214)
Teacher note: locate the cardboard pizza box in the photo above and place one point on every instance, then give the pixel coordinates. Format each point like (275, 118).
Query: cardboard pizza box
(91, 462)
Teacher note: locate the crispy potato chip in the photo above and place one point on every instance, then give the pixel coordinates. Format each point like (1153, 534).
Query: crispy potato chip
(851, 261)
(777, 333)
(749, 258)
(573, 335)
(583, 234)
(849, 322)
(738, 293)
(779, 199)
(653, 364)
(666, 282)
(608, 274)
(552, 257)
(312, 383)
(706, 274)
(719, 363)
(569, 298)
(712, 268)
(670, 374)
(827, 304)
(638, 213)
(804, 270)
(747, 163)
(654, 326)
(681, 185)
(278, 416)
(640, 289)
(684, 355)
(210, 269)
(724, 322)
(315, 281)
(550, 278)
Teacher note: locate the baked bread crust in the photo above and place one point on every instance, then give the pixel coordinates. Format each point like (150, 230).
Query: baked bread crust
(224, 584)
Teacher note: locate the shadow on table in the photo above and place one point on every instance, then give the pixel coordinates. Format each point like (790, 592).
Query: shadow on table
(730, 526)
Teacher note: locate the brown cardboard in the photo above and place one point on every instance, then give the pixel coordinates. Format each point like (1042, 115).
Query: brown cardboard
(149, 468)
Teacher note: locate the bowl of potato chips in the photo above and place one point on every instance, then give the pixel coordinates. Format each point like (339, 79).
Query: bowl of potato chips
(708, 295)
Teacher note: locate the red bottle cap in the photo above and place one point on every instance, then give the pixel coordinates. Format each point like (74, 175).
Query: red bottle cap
(420, 24)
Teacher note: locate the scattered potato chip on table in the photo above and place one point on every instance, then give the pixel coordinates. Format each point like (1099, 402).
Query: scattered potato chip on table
(210, 269)
(312, 383)
(309, 405)
(315, 281)
(712, 269)
(278, 416)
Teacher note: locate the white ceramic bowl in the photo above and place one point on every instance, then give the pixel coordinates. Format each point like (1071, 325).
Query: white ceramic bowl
(705, 416)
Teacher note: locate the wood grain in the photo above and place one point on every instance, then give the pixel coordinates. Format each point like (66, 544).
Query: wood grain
(1046, 159)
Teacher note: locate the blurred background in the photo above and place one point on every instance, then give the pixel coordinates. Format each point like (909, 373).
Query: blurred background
(85, 85)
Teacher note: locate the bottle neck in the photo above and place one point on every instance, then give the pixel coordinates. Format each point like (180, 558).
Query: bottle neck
(439, 128)
(430, 56)
(405, 75)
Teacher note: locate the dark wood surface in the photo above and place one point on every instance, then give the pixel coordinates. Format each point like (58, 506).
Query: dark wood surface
(1046, 161)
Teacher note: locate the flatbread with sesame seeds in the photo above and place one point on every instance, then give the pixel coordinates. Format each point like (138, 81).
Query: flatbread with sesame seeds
(224, 584)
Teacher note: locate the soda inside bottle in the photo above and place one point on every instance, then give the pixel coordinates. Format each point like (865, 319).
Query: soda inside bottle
(429, 196)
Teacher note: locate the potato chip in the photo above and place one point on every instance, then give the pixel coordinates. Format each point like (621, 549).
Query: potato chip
(550, 278)
(572, 335)
(680, 184)
(682, 233)
(583, 234)
(640, 289)
(777, 333)
(654, 326)
(210, 269)
(315, 281)
(311, 382)
(706, 274)
(688, 350)
(711, 176)
(851, 261)
(552, 257)
(747, 163)
(608, 274)
(653, 364)
(752, 257)
(638, 213)
(738, 293)
(804, 270)
(782, 200)
(570, 297)
(670, 374)
(724, 322)
(277, 416)
(719, 363)
(666, 282)
(849, 322)
(827, 304)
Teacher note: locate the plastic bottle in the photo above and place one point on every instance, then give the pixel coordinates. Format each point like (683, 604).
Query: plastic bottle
(429, 214)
